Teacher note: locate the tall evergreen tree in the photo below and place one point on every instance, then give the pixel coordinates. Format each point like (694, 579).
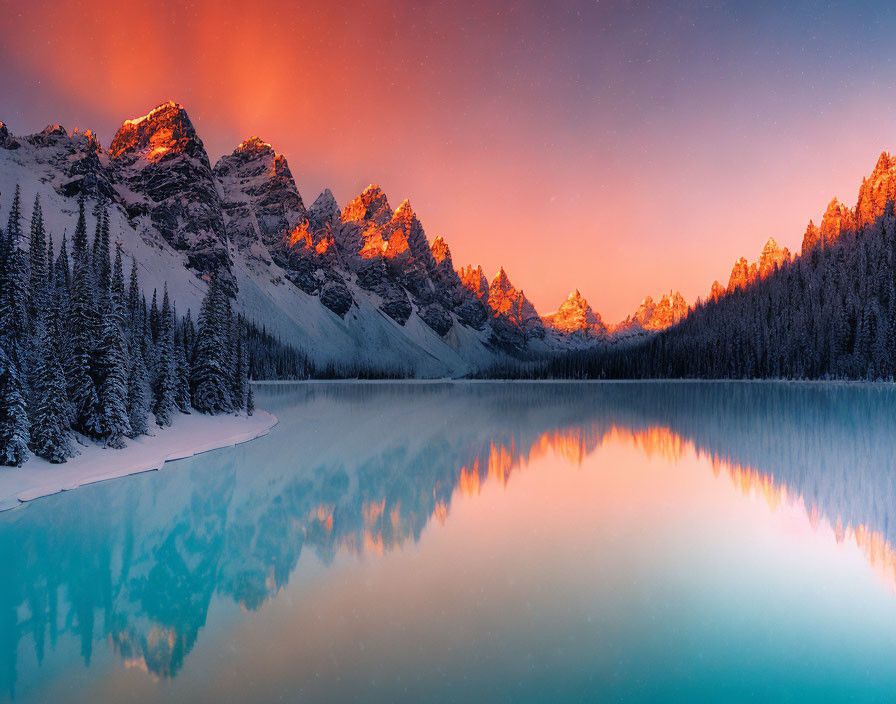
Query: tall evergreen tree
(117, 284)
(134, 305)
(113, 380)
(14, 435)
(182, 369)
(37, 256)
(165, 388)
(49, 416)
(14, 287)
(82, 391)
(138, 398)
(250, 400)
(240, 368)
(102, 267)
(210, 378)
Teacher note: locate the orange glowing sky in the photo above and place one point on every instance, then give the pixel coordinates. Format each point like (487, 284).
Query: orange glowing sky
(622, 151)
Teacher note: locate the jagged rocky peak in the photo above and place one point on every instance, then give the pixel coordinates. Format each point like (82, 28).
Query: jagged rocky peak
(653, 316)
(57, 136)
(370, 206)
(876, 190)
(474, 280)
(6, 139)
(511, 305)
(645, 311)
(811, 238)
(261, 202)
(404, 211)
(837, 217)
(742, 274)
(501, 282)
(670, 310)
(772, 257)
(440, 251)
(169, 179)
(164, 131)
(576, 317)
(324, 210)
(404, 233)
(254, 145)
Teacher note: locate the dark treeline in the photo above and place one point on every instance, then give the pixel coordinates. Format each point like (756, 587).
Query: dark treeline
(830, 314)
(272, 359)
(82, 353)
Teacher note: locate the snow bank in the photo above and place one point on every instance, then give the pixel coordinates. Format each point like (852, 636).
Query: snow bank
(188, 436)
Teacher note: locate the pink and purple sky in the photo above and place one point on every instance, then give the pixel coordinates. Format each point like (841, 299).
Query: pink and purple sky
(620, 148)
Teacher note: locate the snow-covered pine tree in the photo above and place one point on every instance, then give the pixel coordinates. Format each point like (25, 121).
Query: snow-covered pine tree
(210, 375)
(49, 413)
(134, 305)
(138, 398)
(154, 318)
(82, 391)
(14, 286)
(250, 399)
(14, 436)
(165, 386)
(117, 284)
(37, 263)
(182, 369)
(49, 262)
(112, 367)
(102, 267)
(62, 275)
(240, 365)
(58, 303)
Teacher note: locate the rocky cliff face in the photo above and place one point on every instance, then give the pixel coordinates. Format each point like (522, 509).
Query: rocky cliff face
(266, 217)
(576, 318)
(261, 202)
(168, 179)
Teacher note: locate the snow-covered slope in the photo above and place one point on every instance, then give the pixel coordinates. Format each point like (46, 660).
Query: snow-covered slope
(355, 286)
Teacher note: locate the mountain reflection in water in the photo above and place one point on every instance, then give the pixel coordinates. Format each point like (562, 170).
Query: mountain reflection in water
(133, 565)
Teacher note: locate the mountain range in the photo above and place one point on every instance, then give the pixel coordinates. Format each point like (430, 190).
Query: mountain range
(357, 284)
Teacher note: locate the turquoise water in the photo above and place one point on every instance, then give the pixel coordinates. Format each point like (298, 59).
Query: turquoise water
(478, 542)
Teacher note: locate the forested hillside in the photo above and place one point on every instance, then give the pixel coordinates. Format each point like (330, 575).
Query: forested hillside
(84, 358)
(831, 313)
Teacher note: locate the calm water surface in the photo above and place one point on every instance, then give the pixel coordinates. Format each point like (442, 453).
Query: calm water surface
(478, 542)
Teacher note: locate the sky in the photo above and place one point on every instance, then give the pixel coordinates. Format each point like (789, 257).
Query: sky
(621, 148)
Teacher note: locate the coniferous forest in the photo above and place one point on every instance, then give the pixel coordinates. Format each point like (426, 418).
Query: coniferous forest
(829, 314)
(83, 357)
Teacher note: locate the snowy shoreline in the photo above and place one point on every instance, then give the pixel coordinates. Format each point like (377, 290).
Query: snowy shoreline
(188, 436)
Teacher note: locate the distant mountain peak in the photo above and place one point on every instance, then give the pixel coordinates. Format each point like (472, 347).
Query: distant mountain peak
(440, 250)
(324, 208)
(254, 144)
(404, 211)
(576, 317)
(371, 204)
(164, 130)
(501, 281)
(166, 106)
